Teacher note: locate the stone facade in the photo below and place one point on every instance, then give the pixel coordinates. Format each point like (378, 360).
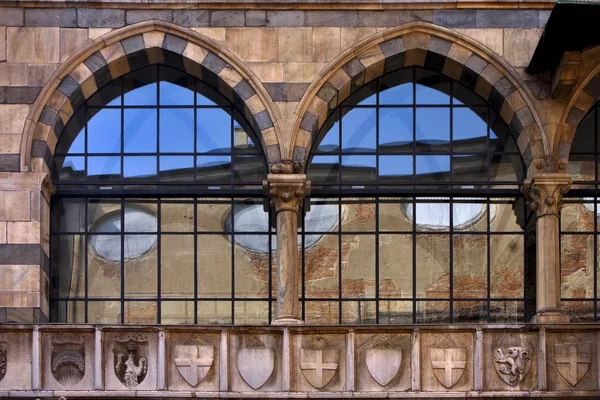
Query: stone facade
(285, 65)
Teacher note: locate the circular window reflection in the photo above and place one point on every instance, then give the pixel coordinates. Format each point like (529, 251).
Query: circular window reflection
(436, 215)
(107, 241)
(590, 204)
(253, 218)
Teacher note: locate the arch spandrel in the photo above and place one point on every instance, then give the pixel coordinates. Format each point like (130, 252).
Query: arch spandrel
(131, 48)
(439, 50)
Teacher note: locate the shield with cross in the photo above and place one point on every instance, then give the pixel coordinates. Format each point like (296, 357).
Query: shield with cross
(572, 358)
(193, 360)
(319, 362)
(448, 362)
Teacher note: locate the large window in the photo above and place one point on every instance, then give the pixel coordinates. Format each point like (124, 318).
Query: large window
(424, 178)
(155, 175)
(579, 224)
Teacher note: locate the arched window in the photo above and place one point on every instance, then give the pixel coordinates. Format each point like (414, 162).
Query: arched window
(579, 224)
(150, 175)
(425, 178)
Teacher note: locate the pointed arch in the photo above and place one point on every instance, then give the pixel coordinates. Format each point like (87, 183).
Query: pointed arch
(583, 97)
(131, 48)
(439, 50)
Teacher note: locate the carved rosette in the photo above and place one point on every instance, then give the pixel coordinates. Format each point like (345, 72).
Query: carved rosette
(286, 191)
(545, 192)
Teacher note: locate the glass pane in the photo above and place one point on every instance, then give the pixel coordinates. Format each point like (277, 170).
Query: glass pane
(359, 168)
(582, 167)
(214, 131)
(141, 266)
(324, 169)
(433, 259)
(469, 266)
(469, 311)
(321, 312)
(470, 167)
(104, 266)
(177, 217)
(431, 88)
(395, 278)
(252, 269)
(177, 266)
(177, 312)
(358, 216)
(142, 96)
(433, 168)
(507, 168)
(392, 215)
(397, 87)
(69, 168)
(104, 312)
(359, 130)
(321, 264)
(433, 129)
(104, 168)
(583, 142)
(469, 125)
(140, 88)
(430, 312)
(140, 312)
(395, 168)
(176, 168)
(395, 129)
(578, 217)
(139, 167)
(358, 266)
(172, 94)
(104, 131)
(68, 215)
(214, 312)
(140, 217)
(140, 131)
(177, 130)
(506, 312)
(214, 168)
(506, 266)
(578, 311)
(68, 266)
(251, 312)
(577, 266)
(507, 215)
(359, 312)
(214, 266)
(331, 141)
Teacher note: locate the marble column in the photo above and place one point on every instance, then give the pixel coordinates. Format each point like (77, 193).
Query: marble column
(545, 191)
(286, 193)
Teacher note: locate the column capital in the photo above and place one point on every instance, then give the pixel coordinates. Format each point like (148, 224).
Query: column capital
(286, 191)
(545, 191)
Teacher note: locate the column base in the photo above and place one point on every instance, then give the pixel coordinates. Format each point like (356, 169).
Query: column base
(287, 321)
(550, 317)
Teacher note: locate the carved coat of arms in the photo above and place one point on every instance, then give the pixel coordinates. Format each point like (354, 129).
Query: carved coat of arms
(513, 360)
(193, 360)
(256, 363)
(319, 362)
(448, 361)
(572, 358)
(67, 360)
(3, 359)
(383, 361)
(131, 364)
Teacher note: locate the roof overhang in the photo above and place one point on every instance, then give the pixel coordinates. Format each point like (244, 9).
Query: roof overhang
(572, 26)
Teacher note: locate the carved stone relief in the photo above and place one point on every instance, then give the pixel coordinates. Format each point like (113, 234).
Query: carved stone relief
(256, 363)
(319, 362)
(512, 363)
(383, 361)
(130, 361)
(448, 361)
(572, 357)
(67, 359)
(193, 359)
(3, 359)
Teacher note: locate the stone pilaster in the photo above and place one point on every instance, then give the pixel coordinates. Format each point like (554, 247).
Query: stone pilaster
(286, 193)
(545, 192)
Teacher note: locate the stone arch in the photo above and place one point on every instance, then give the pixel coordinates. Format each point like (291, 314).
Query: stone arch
(584, 95)
(129, 49)
(439, 50)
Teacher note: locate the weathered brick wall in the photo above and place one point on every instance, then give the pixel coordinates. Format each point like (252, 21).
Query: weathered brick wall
(287, 50)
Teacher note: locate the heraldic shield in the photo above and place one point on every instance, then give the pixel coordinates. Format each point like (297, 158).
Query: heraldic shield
(3, 359)
(131, 364)
(448, 362)
(68, 360)
(193, 360)
(319, 362)
(572, 358)
(383, 361)
(513, 360)
(256, 363)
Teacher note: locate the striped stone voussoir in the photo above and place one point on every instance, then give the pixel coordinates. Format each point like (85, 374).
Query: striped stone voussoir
(133, 53)
(433, 53)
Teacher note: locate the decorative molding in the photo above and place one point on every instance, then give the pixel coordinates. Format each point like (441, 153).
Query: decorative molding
(545, 192)
(286, 191)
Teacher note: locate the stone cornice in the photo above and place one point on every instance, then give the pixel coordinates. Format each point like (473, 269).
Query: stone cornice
(286, 4)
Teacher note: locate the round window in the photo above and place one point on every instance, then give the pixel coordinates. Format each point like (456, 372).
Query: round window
(107, 242)
(436, 215)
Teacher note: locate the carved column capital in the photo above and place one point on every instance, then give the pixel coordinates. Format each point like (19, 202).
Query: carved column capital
(286, 191)
(47, 187)
(545, 191)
